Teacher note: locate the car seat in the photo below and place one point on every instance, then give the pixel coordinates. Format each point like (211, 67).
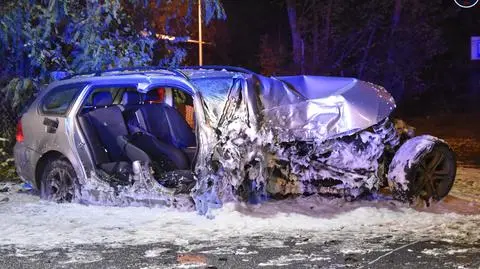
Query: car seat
(106, 134)
(166, 157)
(166, 123)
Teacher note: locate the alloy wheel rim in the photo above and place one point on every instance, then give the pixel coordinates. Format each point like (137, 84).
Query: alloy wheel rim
(434, 176)
(59, 186)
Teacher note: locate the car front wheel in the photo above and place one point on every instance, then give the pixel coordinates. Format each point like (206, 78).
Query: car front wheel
(423, 167)
(58, 181)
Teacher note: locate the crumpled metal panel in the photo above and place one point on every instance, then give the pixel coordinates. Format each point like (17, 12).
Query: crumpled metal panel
(214, 92)
(331, 106)
(225, 151)
(283, 136)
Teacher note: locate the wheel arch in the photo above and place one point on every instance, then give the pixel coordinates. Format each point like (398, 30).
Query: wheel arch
(42, 162)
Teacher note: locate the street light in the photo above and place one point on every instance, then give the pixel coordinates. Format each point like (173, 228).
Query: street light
(178, 39)
(200, 38)
(200, 41)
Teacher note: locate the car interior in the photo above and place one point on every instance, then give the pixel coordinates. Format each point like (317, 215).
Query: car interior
(122, 125)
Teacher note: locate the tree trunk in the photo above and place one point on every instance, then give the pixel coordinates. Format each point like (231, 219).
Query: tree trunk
(316, 39)
(366, 51)
(396, 13)
(296, 38)
(328, 22)
(397, 10)
(326, 33)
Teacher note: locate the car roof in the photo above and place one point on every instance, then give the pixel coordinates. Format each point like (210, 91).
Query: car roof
(149, 75)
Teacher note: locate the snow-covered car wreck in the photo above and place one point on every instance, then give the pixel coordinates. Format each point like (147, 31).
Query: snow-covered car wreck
(101, 138)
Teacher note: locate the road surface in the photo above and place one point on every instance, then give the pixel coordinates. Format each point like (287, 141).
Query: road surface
(309, 232)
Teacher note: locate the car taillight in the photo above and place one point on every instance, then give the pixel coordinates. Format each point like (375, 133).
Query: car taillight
(19, 135)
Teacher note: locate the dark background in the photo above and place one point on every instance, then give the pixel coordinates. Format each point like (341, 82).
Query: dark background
(450, 80)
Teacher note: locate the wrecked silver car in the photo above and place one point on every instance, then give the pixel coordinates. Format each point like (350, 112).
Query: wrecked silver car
(200, 137)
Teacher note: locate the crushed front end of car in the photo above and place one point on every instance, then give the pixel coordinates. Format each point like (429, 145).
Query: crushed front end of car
(297, 135)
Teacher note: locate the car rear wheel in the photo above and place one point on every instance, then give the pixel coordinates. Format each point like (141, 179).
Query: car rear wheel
(424, 167)
(58, 181)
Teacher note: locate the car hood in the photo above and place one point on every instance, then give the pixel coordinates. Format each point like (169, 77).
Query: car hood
(325, 107)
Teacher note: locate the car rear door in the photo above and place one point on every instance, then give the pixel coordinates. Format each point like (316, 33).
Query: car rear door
(48, 129)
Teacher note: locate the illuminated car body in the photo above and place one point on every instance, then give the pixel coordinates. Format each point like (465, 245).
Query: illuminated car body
(255, 137)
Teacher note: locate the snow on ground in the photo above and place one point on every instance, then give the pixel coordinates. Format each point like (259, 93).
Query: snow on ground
(441, 251)
(31, 224)
(83, 256)
(151, 253)
(288, 259)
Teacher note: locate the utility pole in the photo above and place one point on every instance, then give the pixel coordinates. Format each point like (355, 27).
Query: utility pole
(200, 38)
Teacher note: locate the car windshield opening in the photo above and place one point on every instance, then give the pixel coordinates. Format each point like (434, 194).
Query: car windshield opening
(215, 93)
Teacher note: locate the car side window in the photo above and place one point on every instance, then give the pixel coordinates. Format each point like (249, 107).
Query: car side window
(58, 100)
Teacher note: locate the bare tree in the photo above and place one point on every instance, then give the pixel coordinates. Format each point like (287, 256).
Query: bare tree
(295, 32)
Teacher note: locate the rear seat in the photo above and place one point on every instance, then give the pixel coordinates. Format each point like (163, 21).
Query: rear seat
(167, 124)
(130, 100)
(106, 134)
(113, 146)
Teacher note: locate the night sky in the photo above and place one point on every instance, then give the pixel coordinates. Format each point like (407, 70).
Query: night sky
(454, 75)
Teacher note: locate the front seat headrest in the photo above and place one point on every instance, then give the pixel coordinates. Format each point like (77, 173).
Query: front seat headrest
(130, 98)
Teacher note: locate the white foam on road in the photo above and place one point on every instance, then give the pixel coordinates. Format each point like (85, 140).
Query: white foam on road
(152, 253)
(291, 258)
(82, 256)
(27, 222)
(444, 252)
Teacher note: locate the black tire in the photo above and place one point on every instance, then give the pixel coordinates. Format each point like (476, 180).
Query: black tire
(58, 181)
(424, 167)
